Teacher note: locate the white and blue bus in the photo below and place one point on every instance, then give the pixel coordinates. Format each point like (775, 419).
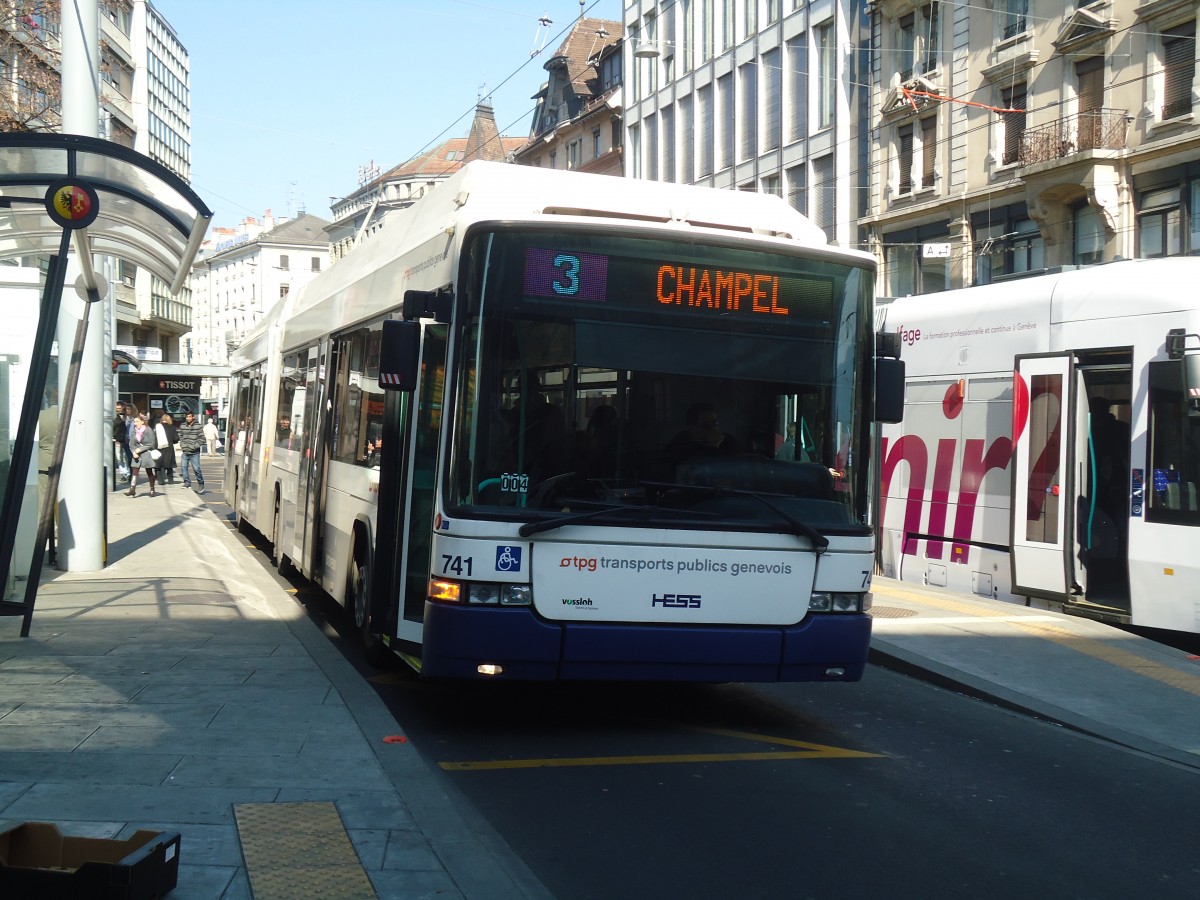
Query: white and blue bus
(547, 425)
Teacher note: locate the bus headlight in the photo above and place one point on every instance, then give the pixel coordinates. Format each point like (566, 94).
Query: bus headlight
(837, 602)
(516, 595)
(484, 594)
(487, 593)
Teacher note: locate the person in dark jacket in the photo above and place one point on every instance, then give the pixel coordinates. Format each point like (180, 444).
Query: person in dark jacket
(168, 437)
(142, 444)
(120, 436)
(191, 439)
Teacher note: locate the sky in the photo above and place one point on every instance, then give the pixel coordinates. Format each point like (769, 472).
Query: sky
(289, 98)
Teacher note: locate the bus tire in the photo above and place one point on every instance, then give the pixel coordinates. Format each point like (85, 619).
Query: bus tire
(358, 585)
(278, 558)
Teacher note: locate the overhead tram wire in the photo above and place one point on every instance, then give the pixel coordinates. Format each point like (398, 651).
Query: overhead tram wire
(558, 37)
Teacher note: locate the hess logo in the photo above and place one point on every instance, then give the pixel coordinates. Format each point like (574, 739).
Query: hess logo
(677, 601)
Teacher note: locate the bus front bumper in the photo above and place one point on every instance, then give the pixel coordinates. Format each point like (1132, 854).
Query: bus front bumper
(516, 644)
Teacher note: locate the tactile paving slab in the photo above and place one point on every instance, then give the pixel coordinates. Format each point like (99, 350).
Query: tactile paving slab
(299, 850)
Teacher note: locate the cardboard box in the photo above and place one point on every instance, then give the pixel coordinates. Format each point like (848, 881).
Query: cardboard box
(38, 861)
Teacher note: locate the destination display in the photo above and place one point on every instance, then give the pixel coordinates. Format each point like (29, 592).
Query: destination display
(684, 288)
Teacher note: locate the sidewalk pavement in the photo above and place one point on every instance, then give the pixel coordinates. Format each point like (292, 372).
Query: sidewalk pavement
(1080, 673)
(182, 688)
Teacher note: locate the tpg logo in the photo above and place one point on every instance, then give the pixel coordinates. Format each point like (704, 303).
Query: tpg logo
(677, 601)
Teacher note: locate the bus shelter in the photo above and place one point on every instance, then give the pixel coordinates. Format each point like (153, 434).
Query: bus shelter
(61, 193)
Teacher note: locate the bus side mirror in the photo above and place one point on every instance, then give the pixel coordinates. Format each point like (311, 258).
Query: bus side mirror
(889, 390)
(399, 352)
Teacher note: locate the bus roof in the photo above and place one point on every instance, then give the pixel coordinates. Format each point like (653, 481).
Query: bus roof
(412, 249)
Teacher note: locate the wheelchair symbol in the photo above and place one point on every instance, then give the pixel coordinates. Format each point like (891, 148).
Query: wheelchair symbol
(508, 559)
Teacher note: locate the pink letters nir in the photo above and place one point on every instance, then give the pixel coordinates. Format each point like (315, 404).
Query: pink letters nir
(932, 485)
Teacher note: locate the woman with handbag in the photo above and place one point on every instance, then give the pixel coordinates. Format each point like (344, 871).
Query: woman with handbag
(143, 444)
(168, 437)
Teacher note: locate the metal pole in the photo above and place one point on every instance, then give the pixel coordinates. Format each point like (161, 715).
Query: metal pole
(35, 387)
(81, 503)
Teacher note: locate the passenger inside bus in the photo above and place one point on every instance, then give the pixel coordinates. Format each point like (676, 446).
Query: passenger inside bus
(701, 437)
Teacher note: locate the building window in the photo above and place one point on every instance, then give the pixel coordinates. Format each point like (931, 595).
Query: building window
(906, 46)
(725, 101)
(928, 39)
(771, 185)
(1179, 68)
(901, 262)
(707, 130)
(825, 196)
(650, 123)
(597, 147)
(1159, 222)
(1012, 123)
(1008, 248)
(316, 264)
(283, 291)
(797, 185)
(797, 66)
(668, 142)
(928, 151)
(826, 74)
(1014, 15)
(283, 262)
(689, 35)
(1088, 235)
(772, 99)
(904, 152)
(748, 78)
(687, 139)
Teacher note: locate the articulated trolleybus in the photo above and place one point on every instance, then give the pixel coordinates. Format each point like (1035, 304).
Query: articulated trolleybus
(1050, 445)
(551, 425)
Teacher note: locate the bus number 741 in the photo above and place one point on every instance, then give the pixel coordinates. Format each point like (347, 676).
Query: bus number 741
(456, 564)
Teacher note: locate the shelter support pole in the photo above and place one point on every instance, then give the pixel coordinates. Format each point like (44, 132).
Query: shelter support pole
(81, 526)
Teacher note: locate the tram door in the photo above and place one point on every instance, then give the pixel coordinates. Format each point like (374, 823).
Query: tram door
(1102, 496)
(1040, 539)
(311, 492)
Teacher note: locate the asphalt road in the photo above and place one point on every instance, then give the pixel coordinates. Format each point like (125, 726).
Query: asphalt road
(891, 787)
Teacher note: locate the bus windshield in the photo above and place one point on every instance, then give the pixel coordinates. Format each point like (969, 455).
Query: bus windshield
(674, 383)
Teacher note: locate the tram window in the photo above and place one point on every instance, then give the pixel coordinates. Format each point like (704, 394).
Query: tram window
(1173, 482)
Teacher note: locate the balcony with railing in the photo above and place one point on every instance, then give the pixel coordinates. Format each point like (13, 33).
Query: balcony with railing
(1096, 129)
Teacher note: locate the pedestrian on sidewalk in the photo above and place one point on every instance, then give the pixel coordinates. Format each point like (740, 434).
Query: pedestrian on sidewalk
(191, 439)
(211, 435)
(120, 436)
(142, 444)
(168, 437)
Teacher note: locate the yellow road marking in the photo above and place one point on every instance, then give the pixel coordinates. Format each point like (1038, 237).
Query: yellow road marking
(807, 751)
(1101, 650)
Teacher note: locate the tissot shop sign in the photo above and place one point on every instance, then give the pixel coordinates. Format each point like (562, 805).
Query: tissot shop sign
(175, 394)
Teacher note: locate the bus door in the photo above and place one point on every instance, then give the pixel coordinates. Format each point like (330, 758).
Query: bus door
(1041, 539)
(311, 487)
(419, 490)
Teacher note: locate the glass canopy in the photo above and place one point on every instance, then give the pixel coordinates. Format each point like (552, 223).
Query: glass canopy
(147, 214)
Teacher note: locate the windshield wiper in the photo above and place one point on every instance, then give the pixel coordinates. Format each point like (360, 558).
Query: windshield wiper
(530, 528)
(819, 541)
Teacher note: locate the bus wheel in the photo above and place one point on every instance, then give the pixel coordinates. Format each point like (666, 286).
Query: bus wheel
(358, 584)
